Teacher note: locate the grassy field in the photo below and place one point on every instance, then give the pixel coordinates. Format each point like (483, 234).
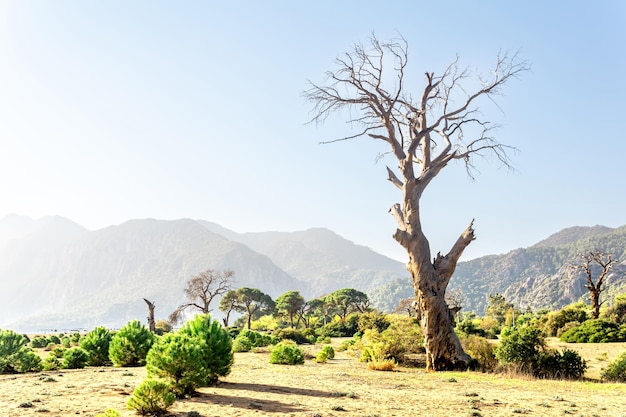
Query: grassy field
(341, 387)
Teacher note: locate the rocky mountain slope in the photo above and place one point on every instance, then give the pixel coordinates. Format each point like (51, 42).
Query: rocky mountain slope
(536, 277)
(56, 274)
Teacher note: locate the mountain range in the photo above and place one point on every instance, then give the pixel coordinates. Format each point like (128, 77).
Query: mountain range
(55, 274)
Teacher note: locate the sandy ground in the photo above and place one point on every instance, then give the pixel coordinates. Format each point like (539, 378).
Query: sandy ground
(341, 387)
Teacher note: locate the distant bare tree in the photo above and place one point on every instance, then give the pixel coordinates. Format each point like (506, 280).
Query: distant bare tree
(202, 289)
(151, 322)
(455, 299)
(406, 305)
(604, 263)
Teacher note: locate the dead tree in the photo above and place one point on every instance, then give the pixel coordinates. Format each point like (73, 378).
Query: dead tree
(151, 322)
(423, 135)
(202, 289)
(604, 263)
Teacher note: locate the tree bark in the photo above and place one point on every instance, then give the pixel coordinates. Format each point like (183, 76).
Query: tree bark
(151, 321)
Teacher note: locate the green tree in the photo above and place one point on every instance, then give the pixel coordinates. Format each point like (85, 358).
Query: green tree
(217, 345)
(178, 359)
(498, 308)
(15, 355)
(348, 300)
(130, 345)
(252, 301)
(616, 312)
(227, 305)
(96, 344)
(290, 303)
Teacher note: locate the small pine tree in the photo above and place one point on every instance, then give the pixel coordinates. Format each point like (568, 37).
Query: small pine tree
(130, 346)
(178, 359)
(286, 353)
(616, 371)
(217, 345)
(15, 355)
(151, 398)
(96, 344)
(75, 358)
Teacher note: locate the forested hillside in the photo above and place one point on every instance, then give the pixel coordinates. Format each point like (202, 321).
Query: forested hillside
(538, 276)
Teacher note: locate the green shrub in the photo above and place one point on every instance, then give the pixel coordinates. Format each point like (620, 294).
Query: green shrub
(556, 320)
(217, 345)
(242, 344)
(58, 351)
(330, 352)
(257, 339)
(54, 339)
(179, 360)
(75, 358)
(286, 353)
(347, 328)
(15, 355)
(291, 334)
(373, 320)
(616, 371)
(560, 365)
(595, 331)
(520, 349)
(321, 357)
(51, 363)
(75, 337)
(481, 351)
(468, 326)
(39, 342)
(66, 342)
(130, 345)
(96, 343)
(403, 337)
(151, 398)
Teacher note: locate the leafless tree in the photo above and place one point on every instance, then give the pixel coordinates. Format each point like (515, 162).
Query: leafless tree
(406, 305)
(423, 135)
(151, 322)
(202, 289)
(603, 263)
(455, 299)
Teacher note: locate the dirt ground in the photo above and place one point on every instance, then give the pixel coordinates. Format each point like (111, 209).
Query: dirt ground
(341, 387)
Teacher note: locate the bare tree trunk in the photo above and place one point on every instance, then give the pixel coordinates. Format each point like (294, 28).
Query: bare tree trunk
(595, 303)
(151, 322)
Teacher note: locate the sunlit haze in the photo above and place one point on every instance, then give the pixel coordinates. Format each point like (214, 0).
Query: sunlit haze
(117, 110)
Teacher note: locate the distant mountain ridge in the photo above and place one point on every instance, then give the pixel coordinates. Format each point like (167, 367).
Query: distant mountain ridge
(55, 273)
(538, 276)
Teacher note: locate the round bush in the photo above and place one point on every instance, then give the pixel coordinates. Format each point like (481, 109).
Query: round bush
(178, 359)
(330, 352)
(291, 334)
(286, 354)
(96, 344)
(51, 363)
(130, 345)
(75, 358)
(151, 398)
(217, 345)
(616, 371)
(242, 344)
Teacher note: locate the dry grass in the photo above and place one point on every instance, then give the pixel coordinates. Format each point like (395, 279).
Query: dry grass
(340, 387)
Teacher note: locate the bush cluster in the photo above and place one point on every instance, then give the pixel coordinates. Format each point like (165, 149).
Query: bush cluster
(15, 355)
(524, 350)
(595, 331)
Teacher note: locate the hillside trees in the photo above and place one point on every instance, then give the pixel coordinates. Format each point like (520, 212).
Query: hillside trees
(290, 303)
(423, 135)
(202, 289)
(595, 263)
(252, 301)
(347, 300)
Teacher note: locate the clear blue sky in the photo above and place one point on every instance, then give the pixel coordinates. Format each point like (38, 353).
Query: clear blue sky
(114, 110)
